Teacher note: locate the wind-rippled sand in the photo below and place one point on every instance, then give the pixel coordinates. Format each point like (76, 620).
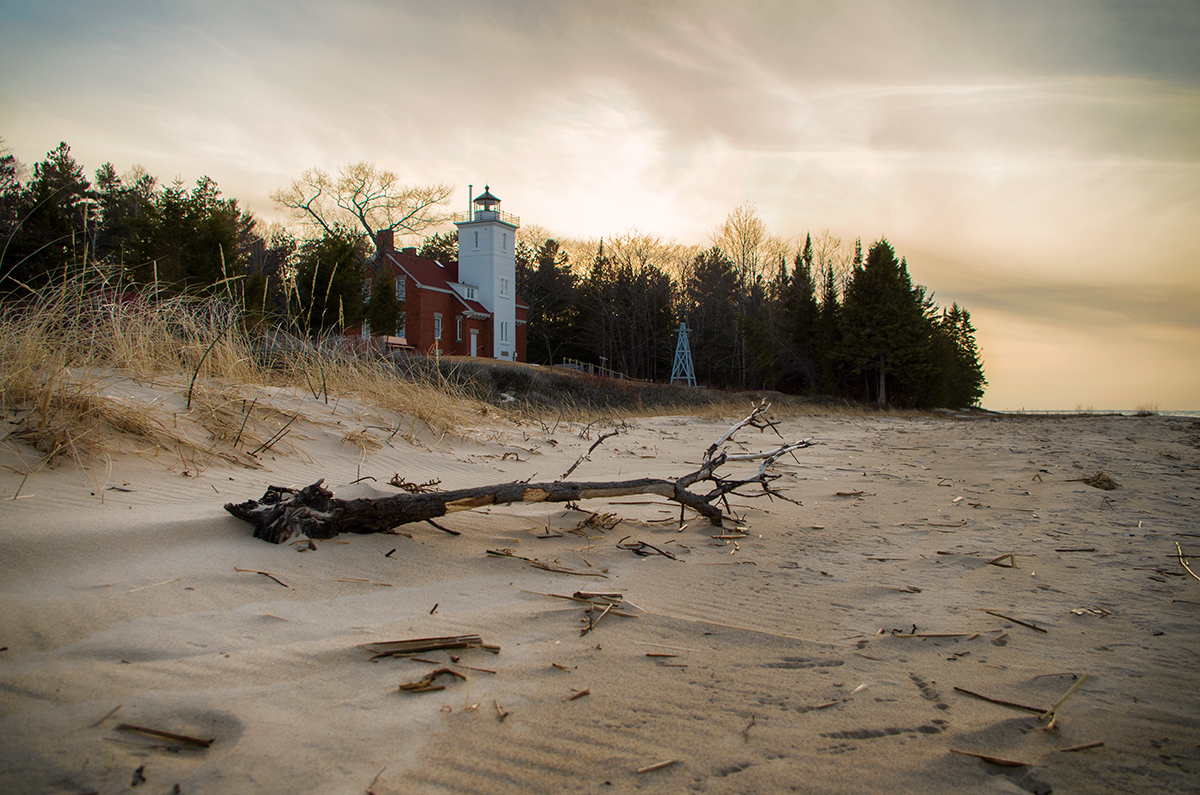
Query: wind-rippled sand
(807, 654)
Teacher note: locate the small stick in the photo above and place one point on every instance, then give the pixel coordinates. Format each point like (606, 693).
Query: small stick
(425, 683)
(995, 760)
(656, 766)
(444, 529)
(1012, 561)
(501, 712)
(579, 694)
(1013, 704)
(1082, 549)
(155, 585)
(584, 457)
(238, 438)
(661, 645)
(1014, 620)
(278, 435)
(929, 635)
(263, 573)
(1048, 713)
(372, 784)
(1081, 747)
(746, 731)
(1183, 561)
(107, 715)
(183, 738)
(592, 624)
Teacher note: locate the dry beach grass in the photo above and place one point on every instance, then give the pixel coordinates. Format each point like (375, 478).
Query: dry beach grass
(829, 646)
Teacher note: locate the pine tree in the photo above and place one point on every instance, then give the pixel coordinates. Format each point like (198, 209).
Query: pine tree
(887, 338)
(384, 310)
(329, 282)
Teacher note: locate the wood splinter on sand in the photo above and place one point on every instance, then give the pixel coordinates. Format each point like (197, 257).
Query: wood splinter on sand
(284, 512)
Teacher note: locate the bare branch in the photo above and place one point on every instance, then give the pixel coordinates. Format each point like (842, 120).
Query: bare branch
(366, 197)
(284, 512)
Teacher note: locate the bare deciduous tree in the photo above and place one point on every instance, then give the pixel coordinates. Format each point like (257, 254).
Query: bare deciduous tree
(362, 195)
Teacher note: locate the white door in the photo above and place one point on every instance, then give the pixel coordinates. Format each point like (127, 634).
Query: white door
(474, 342)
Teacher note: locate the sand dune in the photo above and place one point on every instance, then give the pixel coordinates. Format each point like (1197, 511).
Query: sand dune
(822, 652)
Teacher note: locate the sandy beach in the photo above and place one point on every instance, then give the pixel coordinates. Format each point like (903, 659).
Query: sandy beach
(825, 647)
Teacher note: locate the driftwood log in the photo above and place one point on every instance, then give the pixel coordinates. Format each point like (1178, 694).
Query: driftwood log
(314, 511)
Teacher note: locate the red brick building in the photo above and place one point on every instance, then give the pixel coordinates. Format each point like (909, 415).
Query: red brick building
(469, 311)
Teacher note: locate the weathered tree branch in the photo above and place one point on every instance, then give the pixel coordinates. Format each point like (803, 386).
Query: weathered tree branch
(313, 511)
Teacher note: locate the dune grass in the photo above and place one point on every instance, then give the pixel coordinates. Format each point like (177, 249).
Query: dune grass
(85, 362)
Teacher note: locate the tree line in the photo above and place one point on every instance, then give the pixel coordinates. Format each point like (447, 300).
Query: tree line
(817, 318)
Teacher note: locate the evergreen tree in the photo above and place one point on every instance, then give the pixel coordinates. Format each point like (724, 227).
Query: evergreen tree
(384, 310)
(442, 247)
(829, 335)
(886, 333)
(56, 217)
(710, 289)
(329, 282)
(962, 371)
(549, 290)
(187, 240)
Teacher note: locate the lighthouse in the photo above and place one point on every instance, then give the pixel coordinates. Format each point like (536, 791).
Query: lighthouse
(487, 241)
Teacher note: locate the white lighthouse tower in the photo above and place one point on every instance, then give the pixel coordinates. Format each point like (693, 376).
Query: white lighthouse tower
(487, 241)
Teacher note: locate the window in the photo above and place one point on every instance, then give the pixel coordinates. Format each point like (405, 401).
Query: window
(458, 330)
(470, 293)
(504, 287)
(366, 290)
(504, 331)
(366, 331)
(476, 240)
(437, 326)
(506, 241)
(400, 288)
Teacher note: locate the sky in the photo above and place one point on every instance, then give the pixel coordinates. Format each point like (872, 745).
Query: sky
(1037, 163)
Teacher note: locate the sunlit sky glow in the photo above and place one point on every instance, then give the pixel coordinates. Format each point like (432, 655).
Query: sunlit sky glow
(1039, 163)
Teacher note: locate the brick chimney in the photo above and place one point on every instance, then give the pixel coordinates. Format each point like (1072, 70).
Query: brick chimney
(385, 241)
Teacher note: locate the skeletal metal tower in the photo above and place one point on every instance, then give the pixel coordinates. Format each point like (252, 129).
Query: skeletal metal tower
(683, 372)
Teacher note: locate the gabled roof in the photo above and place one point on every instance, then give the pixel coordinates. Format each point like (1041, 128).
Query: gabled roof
(429, 274)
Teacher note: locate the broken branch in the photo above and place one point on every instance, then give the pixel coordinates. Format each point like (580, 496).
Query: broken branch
(284, 512)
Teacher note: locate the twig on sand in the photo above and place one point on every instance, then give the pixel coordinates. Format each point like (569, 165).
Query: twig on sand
(183, 738)
(1081, 747)
(425, 684)
(396, 648)
(537, 564)
(995, 760)
(996, 561)
(578, 694)
(1054, 708)
(656, 766)
(640, 548)
(263, 573)
(584, 457)
(107, 715)
(1014, 620)
(1183, 561)
(1001, 702)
